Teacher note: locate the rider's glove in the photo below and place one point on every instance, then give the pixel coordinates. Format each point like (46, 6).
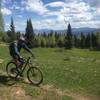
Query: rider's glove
(21, 57)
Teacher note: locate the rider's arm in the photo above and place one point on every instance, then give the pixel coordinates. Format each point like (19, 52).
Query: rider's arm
(27, 49)
(16, 50)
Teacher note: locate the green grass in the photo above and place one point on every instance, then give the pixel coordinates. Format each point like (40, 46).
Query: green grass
(76, 71)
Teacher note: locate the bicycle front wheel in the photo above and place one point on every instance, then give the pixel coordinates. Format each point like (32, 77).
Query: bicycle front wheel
(35, 75)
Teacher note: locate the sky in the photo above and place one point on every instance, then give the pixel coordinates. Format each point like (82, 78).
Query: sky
(51, 14)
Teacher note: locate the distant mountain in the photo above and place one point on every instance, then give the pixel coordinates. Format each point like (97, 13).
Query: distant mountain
(74, 30)
(84, 30)
(42, 30)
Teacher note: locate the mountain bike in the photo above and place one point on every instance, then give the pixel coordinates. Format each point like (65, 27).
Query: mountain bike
(34, 74)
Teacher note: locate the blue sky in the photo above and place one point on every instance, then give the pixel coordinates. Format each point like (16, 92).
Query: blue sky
(52, 14)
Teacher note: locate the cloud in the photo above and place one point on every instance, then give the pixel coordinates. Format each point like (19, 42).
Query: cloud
(15, 7)
(6, 11)
(80, 13)
(92, 24)
(69, 11)
(77, 12)
(36, 6)
(5, 1)
(19, 16)
(56, 4)
(93, 3)
(46, 24)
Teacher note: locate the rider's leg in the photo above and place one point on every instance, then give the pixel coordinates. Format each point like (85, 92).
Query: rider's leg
(22, 61)
(17, 61)
(19, 67)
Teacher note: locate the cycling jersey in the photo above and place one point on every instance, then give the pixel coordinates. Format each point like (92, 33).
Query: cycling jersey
(15, 48)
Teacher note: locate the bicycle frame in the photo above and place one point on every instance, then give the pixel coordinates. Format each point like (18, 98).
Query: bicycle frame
(24, 66)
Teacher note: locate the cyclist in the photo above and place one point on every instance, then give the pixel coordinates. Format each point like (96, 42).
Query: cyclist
(15, 48)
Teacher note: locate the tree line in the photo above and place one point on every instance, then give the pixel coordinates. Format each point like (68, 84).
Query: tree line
(1, 23)
(66, 40)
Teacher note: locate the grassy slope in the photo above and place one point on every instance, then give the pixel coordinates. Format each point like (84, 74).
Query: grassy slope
(75, 71)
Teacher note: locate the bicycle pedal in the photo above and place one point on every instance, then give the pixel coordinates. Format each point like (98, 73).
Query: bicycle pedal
(19, 78)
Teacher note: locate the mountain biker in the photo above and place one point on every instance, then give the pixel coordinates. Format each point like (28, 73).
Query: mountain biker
(15, 48)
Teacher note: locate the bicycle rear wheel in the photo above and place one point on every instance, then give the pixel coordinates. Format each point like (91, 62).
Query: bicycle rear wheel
(35, 75)
(11, 69)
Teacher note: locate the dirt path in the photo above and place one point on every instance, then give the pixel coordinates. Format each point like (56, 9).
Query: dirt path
(13, 93)
(16, 92)
(9, 91)
(60, 93)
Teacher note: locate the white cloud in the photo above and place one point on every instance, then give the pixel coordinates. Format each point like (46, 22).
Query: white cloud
(61, 19)
(93, 3)
(70, 11)
(5, 1)
(6, 11)
(56, 4)
(77, 12)
(15, 7)
(36, 6)
(19, 16)
(92, 24)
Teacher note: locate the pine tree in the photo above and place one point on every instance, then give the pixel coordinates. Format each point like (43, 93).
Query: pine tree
(88, 41)
(43, 42)
(60, 42)
(29, 34)
(57, 38)
(82, 41)
(76, 41)
(94, 41)
(1, 21)
(29, 30)
(11, 33)
(38, 40)
(98, 40)
(68, 38)
(1, 24)
(12, 29)
(52, 39)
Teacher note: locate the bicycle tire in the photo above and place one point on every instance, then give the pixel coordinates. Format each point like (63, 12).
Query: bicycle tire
(9, 68)
(36, 72)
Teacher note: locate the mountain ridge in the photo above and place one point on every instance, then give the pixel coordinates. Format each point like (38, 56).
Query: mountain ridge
(74, 30)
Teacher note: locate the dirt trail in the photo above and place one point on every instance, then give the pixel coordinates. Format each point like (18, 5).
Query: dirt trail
(13, 93)
(60, 93)
(16, 92)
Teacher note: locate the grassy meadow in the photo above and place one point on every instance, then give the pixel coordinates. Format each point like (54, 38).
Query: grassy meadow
(68, 75)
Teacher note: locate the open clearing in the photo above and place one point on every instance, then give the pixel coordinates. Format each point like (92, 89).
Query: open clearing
(68, 75)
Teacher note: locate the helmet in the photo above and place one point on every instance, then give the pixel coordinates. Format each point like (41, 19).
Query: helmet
(22, 38)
